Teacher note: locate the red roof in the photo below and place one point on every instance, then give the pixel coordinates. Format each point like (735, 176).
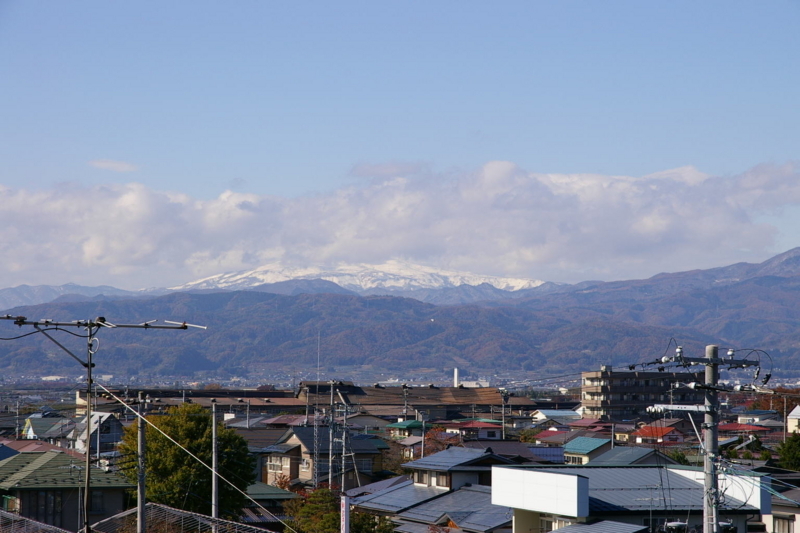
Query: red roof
(735, 426)
(654, 432)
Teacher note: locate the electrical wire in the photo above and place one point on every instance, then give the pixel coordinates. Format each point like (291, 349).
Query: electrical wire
(193, 456)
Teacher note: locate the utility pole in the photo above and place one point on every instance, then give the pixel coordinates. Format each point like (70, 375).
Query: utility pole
(331, 435)
(141, 523)
(711, 498)
(710, 408)
(92, 327)
(214, 466)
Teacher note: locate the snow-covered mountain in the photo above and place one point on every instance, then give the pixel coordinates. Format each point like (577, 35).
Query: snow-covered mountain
(390, 276)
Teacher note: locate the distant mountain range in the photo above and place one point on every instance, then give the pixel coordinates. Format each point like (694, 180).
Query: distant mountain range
(550, 329)
(393, 277)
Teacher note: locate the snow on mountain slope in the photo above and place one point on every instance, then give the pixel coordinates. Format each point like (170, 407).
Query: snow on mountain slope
(392, 275)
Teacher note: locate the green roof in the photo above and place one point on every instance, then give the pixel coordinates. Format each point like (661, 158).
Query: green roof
(262, 491)
(584, 445)
(53, 470)
(408, 424)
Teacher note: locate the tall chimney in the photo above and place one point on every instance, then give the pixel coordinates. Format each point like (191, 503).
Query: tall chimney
(455, 377)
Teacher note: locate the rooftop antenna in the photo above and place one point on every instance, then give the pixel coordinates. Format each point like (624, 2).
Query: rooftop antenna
(92, 327)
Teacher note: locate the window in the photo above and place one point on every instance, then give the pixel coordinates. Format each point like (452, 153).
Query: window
(491, 434)
(442, 480)
(305, 464)
(274, 464)
(421, 476)
(783, 524)
(97, 504)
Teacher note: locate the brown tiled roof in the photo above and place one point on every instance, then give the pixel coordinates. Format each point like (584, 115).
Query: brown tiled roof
(415, 396)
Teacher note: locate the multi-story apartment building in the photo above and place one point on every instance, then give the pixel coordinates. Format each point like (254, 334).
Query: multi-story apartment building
(613, 395)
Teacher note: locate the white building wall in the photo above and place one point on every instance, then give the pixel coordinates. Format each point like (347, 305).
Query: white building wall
(544, 492)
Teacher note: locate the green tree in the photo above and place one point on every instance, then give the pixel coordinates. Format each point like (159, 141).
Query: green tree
(789, 453)
(529, 435)
(316, 511)
(678, 456)
(175, 478)
(367, 523)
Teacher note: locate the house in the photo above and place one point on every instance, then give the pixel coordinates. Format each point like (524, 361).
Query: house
(406, 428)
(48, 487)
(455, 467)
(548, 454)
(411, 447)
(36, 426)
(468, 509)
(475, 429)
(294, 454)
(270, 499)
(540, 415)
(735, 429)
(757, 415)
(107, 436)
(519, 452)
(632, 455)
(581, 450)
(657, 434)
(547, 498)
(432, 476)
(560, 438)
(785, 512)
(793, 420)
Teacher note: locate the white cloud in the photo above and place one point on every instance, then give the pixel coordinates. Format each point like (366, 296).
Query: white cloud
(114, 166)
(498, 220)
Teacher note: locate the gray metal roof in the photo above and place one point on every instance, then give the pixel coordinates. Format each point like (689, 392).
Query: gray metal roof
(398, 498)
(621, 489)
(628, 455)
(306, 436)
(606, 526)
(378, 486)
(452, 458)
(470, 507)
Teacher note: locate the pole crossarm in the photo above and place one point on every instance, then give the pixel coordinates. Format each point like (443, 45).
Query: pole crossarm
(98, 323)
(92, 326)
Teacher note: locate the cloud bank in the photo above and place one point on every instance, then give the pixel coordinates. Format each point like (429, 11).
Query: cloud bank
(498, 220)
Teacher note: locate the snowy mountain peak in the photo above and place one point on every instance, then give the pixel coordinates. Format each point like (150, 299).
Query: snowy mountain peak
(391, 275)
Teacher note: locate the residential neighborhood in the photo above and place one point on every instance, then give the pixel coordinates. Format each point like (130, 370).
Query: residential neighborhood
(424, 458)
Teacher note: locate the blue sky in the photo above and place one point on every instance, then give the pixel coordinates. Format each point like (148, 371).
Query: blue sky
(305, 106)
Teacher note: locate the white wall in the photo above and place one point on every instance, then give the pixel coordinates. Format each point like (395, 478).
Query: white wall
(545, 492)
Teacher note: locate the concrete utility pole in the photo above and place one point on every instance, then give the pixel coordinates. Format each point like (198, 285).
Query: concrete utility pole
(711, 389)
(141, 523)
(214, 466)
(711, 499)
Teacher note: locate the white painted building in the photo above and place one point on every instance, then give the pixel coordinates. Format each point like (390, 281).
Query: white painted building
(547, 498)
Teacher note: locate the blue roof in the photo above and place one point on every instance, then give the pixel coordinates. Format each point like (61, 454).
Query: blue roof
(554, 454)
(584, 444)
(559, 413)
